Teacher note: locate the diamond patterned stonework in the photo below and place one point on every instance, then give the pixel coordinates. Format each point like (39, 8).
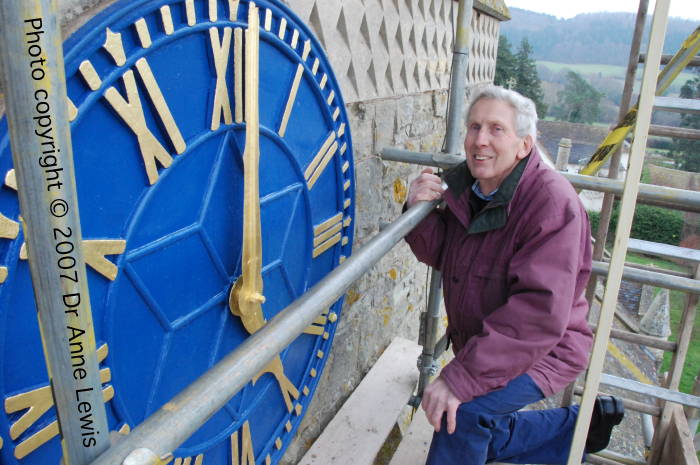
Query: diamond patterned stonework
(388, 48)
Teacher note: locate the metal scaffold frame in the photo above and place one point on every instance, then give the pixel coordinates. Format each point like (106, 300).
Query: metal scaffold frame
(153, 441)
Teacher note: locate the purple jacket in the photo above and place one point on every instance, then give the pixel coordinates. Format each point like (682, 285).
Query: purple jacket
(514, 278)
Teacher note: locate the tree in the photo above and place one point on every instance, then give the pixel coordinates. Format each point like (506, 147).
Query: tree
(686, 152)
(505, 63)
(519, 72)
(579, 102)
(527, 80)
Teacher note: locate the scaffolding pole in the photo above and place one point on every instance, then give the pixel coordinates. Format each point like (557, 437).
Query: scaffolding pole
(668, 197)
(31, 54)
(455, 118)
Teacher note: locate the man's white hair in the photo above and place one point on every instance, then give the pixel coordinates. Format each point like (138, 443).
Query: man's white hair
(525, 110)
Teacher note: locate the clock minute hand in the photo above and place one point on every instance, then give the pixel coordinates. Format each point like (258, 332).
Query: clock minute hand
(247, 296)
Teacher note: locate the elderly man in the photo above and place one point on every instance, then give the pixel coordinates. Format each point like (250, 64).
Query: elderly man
(513, 245)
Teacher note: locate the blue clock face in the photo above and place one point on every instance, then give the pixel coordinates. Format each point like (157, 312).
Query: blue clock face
(156, 98)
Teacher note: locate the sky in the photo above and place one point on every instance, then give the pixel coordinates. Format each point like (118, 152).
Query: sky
(688, 9)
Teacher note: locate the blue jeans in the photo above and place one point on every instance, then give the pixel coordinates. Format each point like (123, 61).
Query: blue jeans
(490, 429)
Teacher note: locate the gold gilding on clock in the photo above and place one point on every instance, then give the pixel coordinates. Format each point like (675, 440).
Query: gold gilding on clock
(238, 72)
(37, 402)
(220, 50)
(213, 11)
(327, 234)
(90, 75)
(143, 33)
(268, 19)
(131, 109)
(327, 229)
(283, 29)
(94, 252)
(167, 19)
(295, 39)
(321, 160)
(290, 100)
(233, 9)
(243, 455)
(72, 110)
(316, 328)
(198, 460)
(11, 179)
(189, 11)
(113, 45)
(307, 50)
(246, 297)
(8, 228)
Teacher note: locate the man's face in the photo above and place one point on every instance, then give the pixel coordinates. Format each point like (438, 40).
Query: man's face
(492, 146)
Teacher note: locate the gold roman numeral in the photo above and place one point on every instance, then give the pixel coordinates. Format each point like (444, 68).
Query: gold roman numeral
(327, 234)
(276, 369)
(291, 97)
(221, 98)
(11, 179)
(36, 403)
(243, 454)
(197, 460)
(321, 160)
(317, 328)
(9, 229)
(130, 109)
(94, 253)
(290, 100)
(238, 72)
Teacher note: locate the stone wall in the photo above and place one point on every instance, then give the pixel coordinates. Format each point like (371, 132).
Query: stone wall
(382, 48)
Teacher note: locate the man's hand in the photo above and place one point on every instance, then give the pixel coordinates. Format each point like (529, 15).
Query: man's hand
(438, 399)
(426, 187)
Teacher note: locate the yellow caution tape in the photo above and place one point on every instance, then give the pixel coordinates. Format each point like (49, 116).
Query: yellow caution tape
(690, 48)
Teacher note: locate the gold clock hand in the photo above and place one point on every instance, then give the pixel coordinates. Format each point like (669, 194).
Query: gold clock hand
(246, 298)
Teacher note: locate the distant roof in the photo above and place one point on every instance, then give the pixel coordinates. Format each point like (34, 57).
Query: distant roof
(495, 8)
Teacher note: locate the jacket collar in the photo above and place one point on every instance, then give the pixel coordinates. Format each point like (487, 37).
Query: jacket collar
(495, 214)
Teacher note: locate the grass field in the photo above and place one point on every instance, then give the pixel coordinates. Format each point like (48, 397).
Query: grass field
(678, 302)
(605, 70)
